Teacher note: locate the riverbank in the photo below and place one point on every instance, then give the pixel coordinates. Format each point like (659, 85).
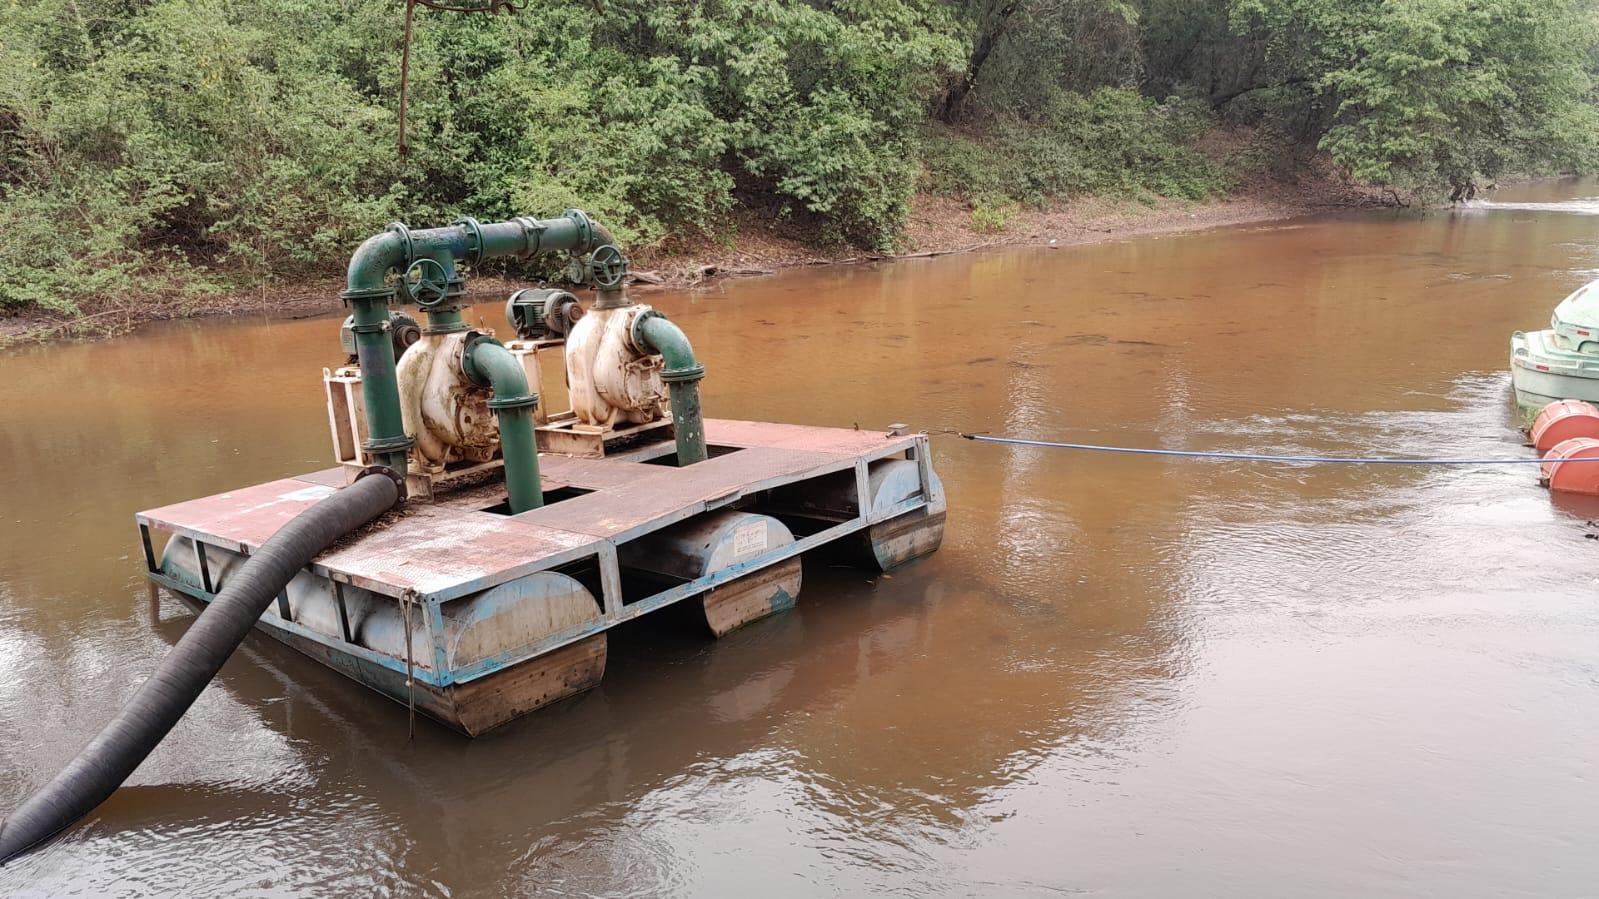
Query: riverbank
(936, 226)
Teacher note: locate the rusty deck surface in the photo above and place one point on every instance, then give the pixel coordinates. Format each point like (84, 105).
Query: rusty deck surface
(456, 546)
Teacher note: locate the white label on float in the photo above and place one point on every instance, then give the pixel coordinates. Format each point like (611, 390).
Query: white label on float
(749, 539)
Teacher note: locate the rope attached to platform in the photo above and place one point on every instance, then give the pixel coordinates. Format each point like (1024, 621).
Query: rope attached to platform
(1258, 457)
(408, 600)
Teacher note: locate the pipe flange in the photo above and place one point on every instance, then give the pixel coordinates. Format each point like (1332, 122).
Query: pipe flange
(383, 471)
(673, 376)
(635, 333)
(474, 239)
(378, 445)
(526, 401)
(365, 294)
(585, 228)
(405, 235)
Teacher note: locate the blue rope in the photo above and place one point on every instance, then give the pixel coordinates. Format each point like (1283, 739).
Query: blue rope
(1261, 457)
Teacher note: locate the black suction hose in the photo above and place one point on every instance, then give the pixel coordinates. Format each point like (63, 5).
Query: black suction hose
(144, 722)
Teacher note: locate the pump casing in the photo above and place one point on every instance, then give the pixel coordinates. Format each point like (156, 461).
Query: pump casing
(443, 410)
(612, 381)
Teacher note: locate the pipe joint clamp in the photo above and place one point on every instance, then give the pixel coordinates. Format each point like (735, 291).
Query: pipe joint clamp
(679, 375)
(376, 445)
(383, 295)
(474, 239)
(525, 401)
(532, 234)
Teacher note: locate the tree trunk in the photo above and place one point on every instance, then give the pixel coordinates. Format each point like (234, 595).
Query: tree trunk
(989, 31)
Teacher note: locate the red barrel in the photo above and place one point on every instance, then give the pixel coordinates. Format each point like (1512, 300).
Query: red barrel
(1572, 477)
(1563, 420)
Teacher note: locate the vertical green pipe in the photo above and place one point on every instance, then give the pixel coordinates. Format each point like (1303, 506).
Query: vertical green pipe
(654, 333)
(386, 441)
(491, 365)
(519, 447)
(687, 422)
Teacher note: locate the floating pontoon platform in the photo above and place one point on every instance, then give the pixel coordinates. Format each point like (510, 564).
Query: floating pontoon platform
(494, 615)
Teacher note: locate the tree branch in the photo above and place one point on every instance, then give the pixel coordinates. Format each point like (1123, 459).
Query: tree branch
(1217, 101)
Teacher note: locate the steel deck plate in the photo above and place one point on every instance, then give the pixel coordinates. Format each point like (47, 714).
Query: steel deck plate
(453, 547)
(441, 552)
(659, 495)
(838, 441)
(239, 519)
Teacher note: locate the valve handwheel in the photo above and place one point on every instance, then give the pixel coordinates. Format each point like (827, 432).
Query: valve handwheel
(607, 266)
(426, 282)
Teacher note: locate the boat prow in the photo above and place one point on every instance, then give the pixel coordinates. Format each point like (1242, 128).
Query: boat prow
(1561, 362)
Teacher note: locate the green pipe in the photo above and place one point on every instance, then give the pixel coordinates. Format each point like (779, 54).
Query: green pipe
(468, 240)
(655, 333)
(491, 365)
(386, 440)
(395, 249)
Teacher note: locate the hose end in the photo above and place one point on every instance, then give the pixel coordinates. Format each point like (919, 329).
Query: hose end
(370, 471)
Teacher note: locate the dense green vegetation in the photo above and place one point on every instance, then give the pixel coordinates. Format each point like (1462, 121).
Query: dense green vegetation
(156, 145)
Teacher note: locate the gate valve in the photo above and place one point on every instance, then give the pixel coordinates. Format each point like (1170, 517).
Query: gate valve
(605, 268)
(427, 283)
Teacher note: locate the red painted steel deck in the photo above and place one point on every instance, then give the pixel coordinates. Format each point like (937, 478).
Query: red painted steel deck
(454, 547)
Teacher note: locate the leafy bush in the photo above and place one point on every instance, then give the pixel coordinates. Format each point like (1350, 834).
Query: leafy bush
(992, 215)
(140, 144)
(189, 144)
(1111, 142)
(179, 139)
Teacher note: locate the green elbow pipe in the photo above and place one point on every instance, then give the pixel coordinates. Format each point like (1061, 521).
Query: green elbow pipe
(491, 365)
(655, 333)
(467, 240)
(368, 292)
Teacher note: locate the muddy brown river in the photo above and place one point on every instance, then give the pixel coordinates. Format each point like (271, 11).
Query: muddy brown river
(1121, 676)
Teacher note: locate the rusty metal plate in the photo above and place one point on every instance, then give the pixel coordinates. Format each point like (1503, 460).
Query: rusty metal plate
(452, 548)
(442, 552)
(239, 519)
(662, 495)
(327, 477)
(601, 474)
(838, 441)
(483, 496)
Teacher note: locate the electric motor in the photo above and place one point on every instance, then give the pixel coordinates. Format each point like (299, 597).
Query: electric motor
(541, 313)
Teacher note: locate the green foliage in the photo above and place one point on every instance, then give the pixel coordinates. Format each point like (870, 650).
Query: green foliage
(1431, 95)
(991, 216)
(141, 143)
(1443, 93)
(178, 138)
(1112, 142)
(195, 143)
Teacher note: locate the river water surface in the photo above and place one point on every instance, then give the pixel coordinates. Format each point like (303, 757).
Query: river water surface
(1122, 676)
